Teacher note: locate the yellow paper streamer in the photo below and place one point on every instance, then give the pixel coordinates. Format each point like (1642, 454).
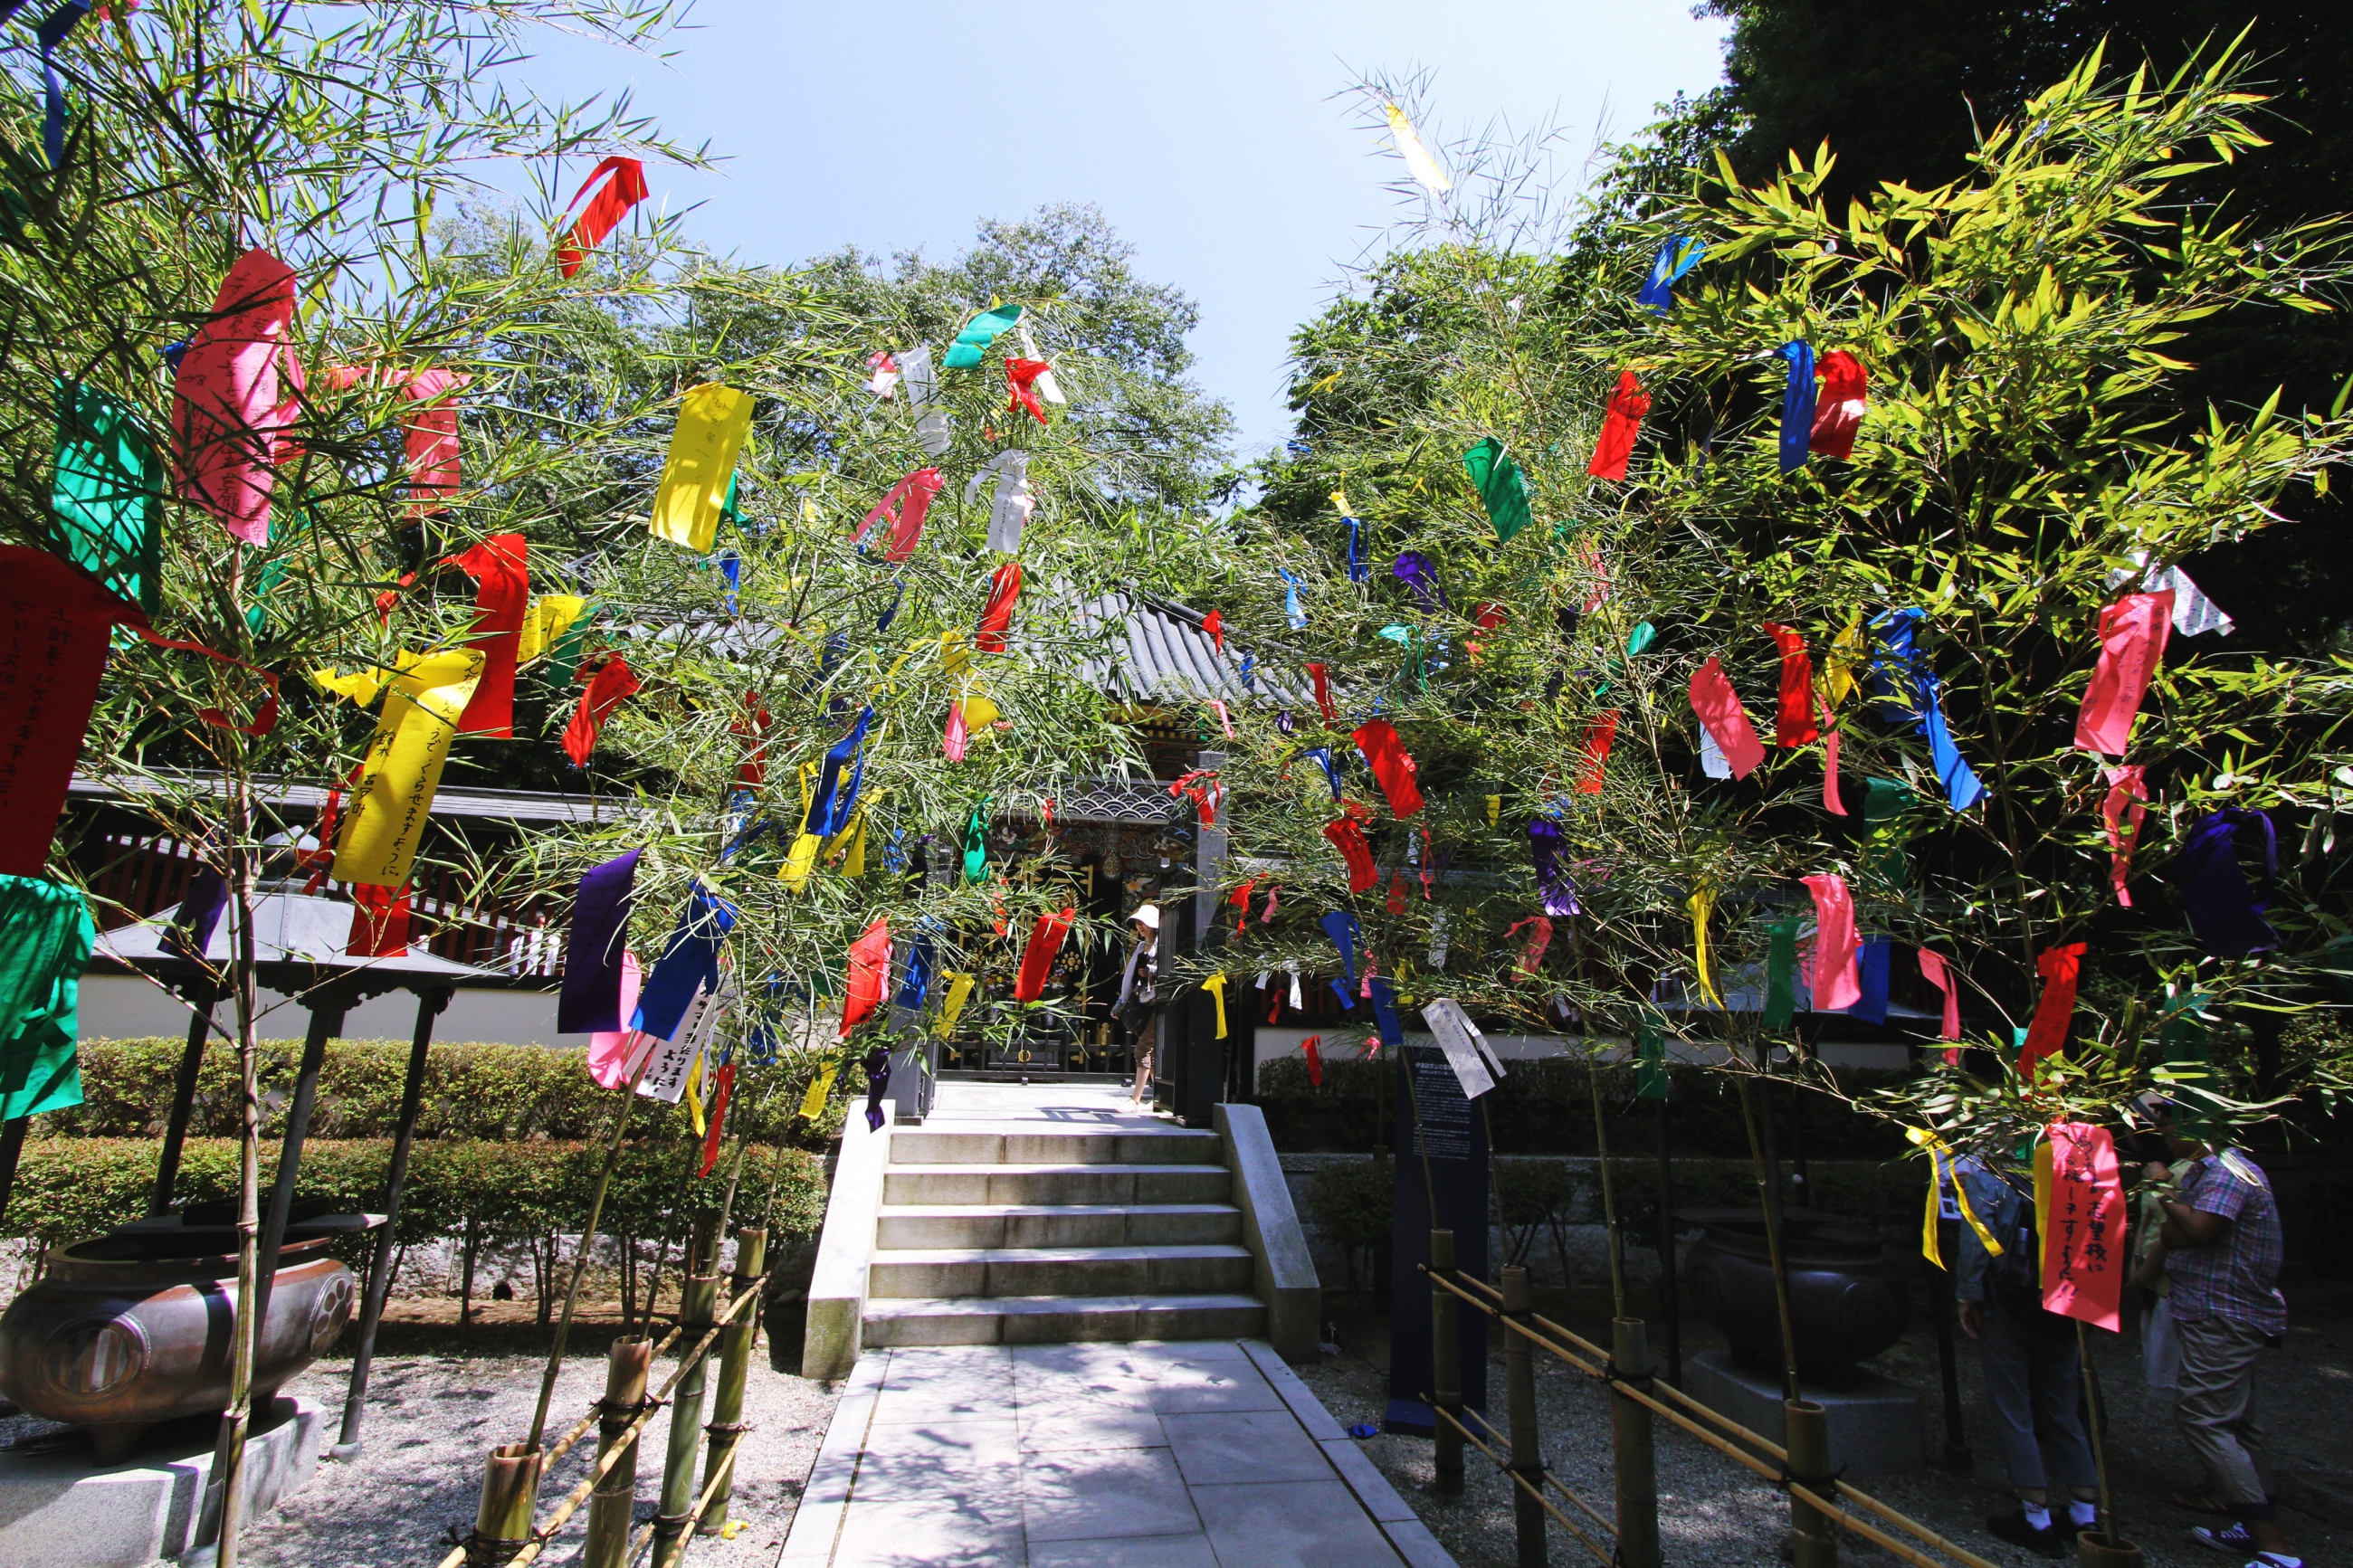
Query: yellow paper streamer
(979, 712)
(403, 768)
(1494, 810)
(1418, 161)
(813, 1102)
(694, 1093)
(1845, 652)
(1340, 500)
(1924, 1139)
(360, 687)
(1700, 904)
(2043, 1185)
(702, 453)
(1215, 986)
(954, 657)
(959, 989)
(795, 872)
(551, 617)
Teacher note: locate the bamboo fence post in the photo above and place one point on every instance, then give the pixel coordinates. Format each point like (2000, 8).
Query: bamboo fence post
(611, 1504)
(726, 1427)
(1527, 1453)
(503, 1517)
(695, 1306)
(1446, 1363)
(1814, 1544)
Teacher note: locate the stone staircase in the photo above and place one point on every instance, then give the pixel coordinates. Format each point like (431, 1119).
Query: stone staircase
(1047, 1238)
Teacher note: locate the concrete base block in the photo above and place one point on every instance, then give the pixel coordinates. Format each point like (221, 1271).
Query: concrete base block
(1875, 1424)
(60, 1509)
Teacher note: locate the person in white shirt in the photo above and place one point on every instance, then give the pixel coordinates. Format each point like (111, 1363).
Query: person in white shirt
(1137, 992)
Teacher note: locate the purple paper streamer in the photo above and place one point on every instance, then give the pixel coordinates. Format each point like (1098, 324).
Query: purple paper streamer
(590, 1002)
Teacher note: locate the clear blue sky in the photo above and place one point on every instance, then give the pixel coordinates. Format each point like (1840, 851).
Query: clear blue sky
(1208, 131)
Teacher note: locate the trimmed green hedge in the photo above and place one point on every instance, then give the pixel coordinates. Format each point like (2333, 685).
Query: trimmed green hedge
(489, 1092)
(68, 1189)
(1545, 1107)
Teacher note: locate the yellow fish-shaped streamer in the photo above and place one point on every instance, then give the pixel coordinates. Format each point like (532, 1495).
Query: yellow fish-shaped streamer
(403, 768)
(702, 453)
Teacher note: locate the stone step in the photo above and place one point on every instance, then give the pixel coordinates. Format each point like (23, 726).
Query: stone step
(1060, 1319)
(1056, 1185)
(1174, 1146)
(1057, 1224)
(1085, 1271)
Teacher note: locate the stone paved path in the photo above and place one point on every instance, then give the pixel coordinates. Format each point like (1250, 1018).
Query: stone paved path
(1178, 1453)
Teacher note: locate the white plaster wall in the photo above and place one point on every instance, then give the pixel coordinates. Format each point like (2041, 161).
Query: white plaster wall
(122, 1006)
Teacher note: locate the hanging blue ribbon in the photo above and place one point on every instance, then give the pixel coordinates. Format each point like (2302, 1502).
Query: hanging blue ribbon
(882, 622)
(1559, 894)
(1290, 601)
(1906, 691)
(830, 805)
(1796, 405)
(688, 964)
(1347, 1001)
(2223, 910)
(172, 353)
(191, 930)
(915, 980)
(731, 566)
(1322, 756)
(1285, 723)
(1384, 1013)
(754, 831)
(1357, 569)
(1341, 927)
(894, 853)
(1249, 673)
(1676, 256)
(1874, 966)
(1418, 573)
(52, 32)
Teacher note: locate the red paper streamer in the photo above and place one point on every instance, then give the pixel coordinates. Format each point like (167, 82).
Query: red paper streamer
(1215, 624)
(1200, 786)
(1311, 1049)
(2132, 641)
(1934, 970)
(1349, 840)
(1020, 379)
(1839, 406)
(432, 440)
(1038, 954)
(1620, 426)
(1600, 732)
(1321, 675)
(1003, 588)
(2083, 1251)
(753, 771)
(1718, 706)
(227, 414)
(379, 922)
(719, 1096)
(500, 600)
(604, 210)
(1836, 984)
(870, 961)
(906, 506)
(613, 681)
(1396, 899)
(1539, 939)
(2125, 786)
(54, 635)
(1793, 722)
(1241, 899)
(1379, 740)
(2055, 1015)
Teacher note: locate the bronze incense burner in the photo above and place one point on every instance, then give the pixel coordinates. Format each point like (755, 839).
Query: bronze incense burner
(1846, 1291)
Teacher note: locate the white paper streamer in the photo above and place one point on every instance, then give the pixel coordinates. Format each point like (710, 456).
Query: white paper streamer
(1438, 939)
(1466, 1049)
(1711, 760)
(1047, 387)
(1418, 161)
(1008, 514)
(673, 1058)
(2193, 612)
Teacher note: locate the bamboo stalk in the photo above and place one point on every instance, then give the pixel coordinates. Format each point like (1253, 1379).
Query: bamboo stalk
(580, 1261)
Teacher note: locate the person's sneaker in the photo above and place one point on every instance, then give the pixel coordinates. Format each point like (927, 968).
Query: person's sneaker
(2014, 1529)
(2274, 1560)
(2234, 1538)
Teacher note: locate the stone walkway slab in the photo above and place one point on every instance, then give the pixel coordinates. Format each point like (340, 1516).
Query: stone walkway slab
(1179, 1453)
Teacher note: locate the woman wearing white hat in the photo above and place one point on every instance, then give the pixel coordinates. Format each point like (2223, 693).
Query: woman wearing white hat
(1137, 993)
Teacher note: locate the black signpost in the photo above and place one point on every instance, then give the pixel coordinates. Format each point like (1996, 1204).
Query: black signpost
(1441, 1157)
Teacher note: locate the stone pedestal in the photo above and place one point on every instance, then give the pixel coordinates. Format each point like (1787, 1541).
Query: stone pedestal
(59, 1509)
(1875, 1424)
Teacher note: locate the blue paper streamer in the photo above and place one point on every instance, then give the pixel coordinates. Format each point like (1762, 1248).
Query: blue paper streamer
(1290, 601)
(1677, 256)
(915, 979)
(1357, 569)
(52, 32)
(688, 964)
(882, 622)
(1341, 927)
(1796, 405)
(831, 803)
(1875, 965)
(1906, 691)
(1384, 1013)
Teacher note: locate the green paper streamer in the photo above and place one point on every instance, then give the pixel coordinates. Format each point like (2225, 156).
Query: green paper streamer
(1650, 1058)
(102, 499)
(976, 844)
(977, 335)
(2183, 1037)
(1885, 800)
(1501, 487)
(564, 657)
(1781, 975)
(45, 936)
(1641, 638)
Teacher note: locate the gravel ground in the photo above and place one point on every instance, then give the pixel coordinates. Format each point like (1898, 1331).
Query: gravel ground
(1714, 1513)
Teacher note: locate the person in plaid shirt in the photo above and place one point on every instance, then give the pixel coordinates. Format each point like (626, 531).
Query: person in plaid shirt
(2219, 1252)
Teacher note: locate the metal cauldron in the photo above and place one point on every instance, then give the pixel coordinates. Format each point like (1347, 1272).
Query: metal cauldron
(1847, 1295)
(136, 1327)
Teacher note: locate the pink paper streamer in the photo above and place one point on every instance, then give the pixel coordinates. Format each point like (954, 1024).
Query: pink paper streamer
(1836, 984)
(1227, 724)
(2125, 785)
(1933, 970)
(227, 412)
(612, 1057)
(953, 745)
(1718, 706)
(1831, 802)
(1539, 938)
